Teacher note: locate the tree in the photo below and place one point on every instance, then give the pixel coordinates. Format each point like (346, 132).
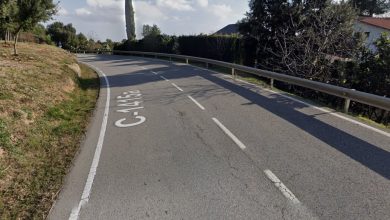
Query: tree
(40, 32)
(261, 25)
(370, 73)
(82, 41)
(8, 12)
(321, 36)
(109, 44)
(370, 7)
(150, 31)
(64, 34)
(130, 21)
(30, 13)
(55, 30)
(300, 38)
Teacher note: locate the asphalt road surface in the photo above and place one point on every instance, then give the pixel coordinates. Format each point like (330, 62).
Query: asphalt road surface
(173, 141)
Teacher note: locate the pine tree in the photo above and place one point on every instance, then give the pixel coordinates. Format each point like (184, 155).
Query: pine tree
(130, 23)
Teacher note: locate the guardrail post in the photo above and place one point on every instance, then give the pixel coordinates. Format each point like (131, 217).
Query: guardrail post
(207, 65)
(272, 83)
(234, 73)
(170, 59)
(187, 61)
(347, 102)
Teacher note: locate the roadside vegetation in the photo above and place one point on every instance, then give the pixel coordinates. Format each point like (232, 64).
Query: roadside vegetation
(21, 21)
(45, 105)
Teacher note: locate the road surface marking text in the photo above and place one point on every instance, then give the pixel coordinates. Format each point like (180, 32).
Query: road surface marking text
(131, 101)
(230, 134)
(283, 188)
(95, 162)
(177, 87)
(197, 103)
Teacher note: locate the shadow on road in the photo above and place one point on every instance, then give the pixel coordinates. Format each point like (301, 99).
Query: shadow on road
(371, 156)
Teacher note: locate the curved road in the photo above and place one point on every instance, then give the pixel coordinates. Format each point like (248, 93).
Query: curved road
(172, 141)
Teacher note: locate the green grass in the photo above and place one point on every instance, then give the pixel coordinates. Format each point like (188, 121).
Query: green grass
(5, 95)
(46, 152)
(4, 135)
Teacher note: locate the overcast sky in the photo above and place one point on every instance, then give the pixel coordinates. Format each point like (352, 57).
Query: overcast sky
(102, 19)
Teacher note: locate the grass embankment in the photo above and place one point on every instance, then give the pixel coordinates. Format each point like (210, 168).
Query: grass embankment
(44, 110)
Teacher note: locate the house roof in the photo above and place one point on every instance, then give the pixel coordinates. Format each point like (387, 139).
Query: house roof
(377, 22)
(229, 29)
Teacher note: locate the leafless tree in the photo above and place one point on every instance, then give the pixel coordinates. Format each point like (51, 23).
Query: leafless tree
(309, 44)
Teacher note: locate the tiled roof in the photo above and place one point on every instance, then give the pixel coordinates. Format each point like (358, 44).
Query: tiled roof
(230, 29)
(378, 22)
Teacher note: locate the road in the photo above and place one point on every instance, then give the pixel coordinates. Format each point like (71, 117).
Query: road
(173, 141)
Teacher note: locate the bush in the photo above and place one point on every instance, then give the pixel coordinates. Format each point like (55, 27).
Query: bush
(159, 44)
(225, 48)
(371, 74)
(218, 47)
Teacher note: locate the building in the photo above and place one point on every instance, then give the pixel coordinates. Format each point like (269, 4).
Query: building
(372, 27)
(228, 30)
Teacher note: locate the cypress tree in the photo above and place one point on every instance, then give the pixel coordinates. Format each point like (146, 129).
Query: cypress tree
(130, 23)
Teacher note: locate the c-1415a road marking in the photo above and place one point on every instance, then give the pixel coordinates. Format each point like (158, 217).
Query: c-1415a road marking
(132, 99)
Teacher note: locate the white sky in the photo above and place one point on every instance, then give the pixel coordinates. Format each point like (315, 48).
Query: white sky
(102, 19)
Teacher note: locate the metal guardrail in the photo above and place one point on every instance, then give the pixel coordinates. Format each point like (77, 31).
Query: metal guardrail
(92, 51)
(347, 94)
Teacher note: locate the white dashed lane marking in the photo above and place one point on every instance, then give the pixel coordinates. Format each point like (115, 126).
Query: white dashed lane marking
(177, 87)
(197, 103)
(283, 188)
(230, 134)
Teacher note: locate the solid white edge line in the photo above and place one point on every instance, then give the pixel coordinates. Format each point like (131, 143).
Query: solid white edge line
(177, 87)
(92, 172)
(164, 78)
(197, 103)
(230, 134)
(283, 188)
